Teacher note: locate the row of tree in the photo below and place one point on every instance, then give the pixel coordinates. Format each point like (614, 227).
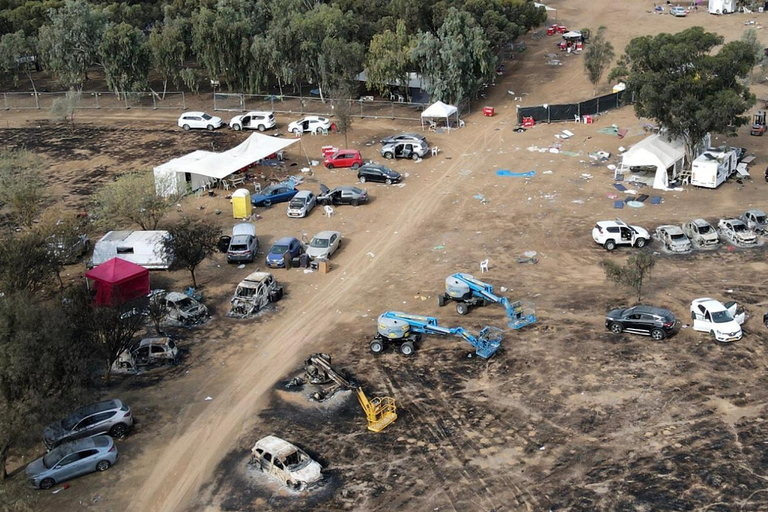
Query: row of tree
(251, 44)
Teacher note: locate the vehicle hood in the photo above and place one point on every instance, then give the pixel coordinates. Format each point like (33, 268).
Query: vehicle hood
(309, 474)
(195, 310)
(317, 252)
(731, 327)
(35, 468)
(615, 313)
(641, 232)
(707, 237)
(53, 432)
(235, 119)
(680, 245)
(744, 236)
(274, 257)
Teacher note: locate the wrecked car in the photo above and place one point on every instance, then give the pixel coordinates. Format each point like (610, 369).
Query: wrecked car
(723, 321)
(254, 293)
(184, 310)
(737, 232)
(285, 462)
(148, 352)
(673, 238)
(701, 233)
(755, 220)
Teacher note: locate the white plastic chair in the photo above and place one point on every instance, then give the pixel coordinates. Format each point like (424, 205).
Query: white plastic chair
(577, 118)
(328, 210)
(435, 150)
(257, 187)
(484, 265)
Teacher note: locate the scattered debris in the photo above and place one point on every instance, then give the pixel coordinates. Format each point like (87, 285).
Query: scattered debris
(208, 398)
(506, 172)
(438, 248)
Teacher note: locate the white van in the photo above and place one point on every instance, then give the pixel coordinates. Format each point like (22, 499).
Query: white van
(144, 248)
(301, 204)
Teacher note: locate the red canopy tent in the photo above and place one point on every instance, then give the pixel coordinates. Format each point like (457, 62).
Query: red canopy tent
(117, 281)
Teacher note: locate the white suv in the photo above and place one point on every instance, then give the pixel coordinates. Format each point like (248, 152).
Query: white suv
(610, 233)
(199, 120)
(312, 124)
(253, 121)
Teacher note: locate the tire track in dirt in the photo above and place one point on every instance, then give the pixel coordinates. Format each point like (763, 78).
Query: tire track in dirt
(189, 459)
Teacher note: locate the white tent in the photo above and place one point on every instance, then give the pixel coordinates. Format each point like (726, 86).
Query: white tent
(656, 152)
(199, 168)
(440, 110)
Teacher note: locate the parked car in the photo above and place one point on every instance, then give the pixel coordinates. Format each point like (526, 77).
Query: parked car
(678, 12)
(254, 293)
(311, 124)
(610, 233)
(344, 158)
(650, 321)
(342, 195)
(755, 220)
(199, 120)
(253, 121)
(149, 352)
(111, 417)
(737, 232)
(287, 463)
(380, 173)
(324, 244)
(287, 244)
(181, 309)
(701, 233)
(673, 238)
(723, 321)
(408, 149)
(302, 203)
(71, 460)
(278, 193)
(405, 137)
(244, 243)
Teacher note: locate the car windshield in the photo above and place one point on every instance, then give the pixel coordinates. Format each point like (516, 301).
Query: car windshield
(721, 317)
(279, 249)
(52, 457)
(296, 203)
(69, 423)
(704, 229)
(677, 236)
(185, 303)
(760, 219)
(739, 227)
(319, 242)
(207, 117)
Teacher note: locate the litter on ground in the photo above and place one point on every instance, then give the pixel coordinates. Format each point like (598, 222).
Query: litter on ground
(618, 205)
(508, 173)
(656, 200)
(619, 187)
(635, 204)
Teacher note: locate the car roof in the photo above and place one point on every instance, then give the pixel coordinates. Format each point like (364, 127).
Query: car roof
(671, 229)
(82, 444)
(285, 240)
(347, 187)
(302, 193)
(375, 166)
(700, 222)
(756, 212)
(711, 305)
(154, 341)
(605, 223)
(256, 277)
(734, 221)
(276, 446)
(257, 112)
(196, 113)
(653, 310)
(102, 406)
(175, 296)
(326, 234)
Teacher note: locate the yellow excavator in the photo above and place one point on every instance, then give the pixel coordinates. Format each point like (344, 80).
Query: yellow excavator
(379, 411)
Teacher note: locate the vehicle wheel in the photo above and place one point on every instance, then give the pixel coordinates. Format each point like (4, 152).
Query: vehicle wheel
(640, 243)
(388, 181)
(362, 179)
(713, 335)
(237, 127)
(388, 155)
(118, 431)
(441, 300)
(262, 127)
(103, 465)
(186, 127)
(377, 347)
(462, 308)
(355, 202)
(267, 203)
(657, 334)
(616, 328)
(407, 348)
(355, 166)
(329, 166)
(725, 11)
(609, 245)
(47, 483)
(209, 127)
(414, 156)
(765, 320)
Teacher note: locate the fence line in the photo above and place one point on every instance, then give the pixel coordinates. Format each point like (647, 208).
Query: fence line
(96, 100)
(572, 111)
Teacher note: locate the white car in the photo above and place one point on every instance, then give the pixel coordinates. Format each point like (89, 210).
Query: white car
(673, 238)
(610, 233)
(701, 233)
(311, 124)
(324, 244)
(302, 203)
(201, 120)
(722, 321)
(285, 462)
(737, 232)
(253, 121)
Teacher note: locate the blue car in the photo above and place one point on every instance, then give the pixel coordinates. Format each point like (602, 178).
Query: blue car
(278, 193)
(71, 460)
(286, 244)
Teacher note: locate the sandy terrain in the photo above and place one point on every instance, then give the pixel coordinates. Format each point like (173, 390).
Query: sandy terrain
(565, 416)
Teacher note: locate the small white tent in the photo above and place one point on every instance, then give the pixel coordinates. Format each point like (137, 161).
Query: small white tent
(440, 110)
(198, 168)
(657, 152)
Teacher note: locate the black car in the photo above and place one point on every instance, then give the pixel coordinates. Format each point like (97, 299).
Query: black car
(376, 172)
(405, 137)
(655, 322)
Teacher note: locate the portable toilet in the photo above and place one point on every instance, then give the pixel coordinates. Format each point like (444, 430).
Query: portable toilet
(241, 203)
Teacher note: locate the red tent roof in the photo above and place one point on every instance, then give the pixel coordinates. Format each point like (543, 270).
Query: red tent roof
(116, 271)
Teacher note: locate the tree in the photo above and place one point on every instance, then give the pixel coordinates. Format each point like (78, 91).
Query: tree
(126, 57)
(458, 60)
(390, 59)
(22, 187)
(16, 51)
(677, 80)
(130, 199)
(342, 110)
(166, 42)
(597, 57)
(41, 369)
(26, 263)
(63, 239)
(63, 109)
(157, 311)
(749, 37)
(190, 243)
(70, 43)
(634, 274)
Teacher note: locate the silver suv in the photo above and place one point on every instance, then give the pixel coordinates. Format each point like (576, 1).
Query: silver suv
(111, 417)
(244, 244)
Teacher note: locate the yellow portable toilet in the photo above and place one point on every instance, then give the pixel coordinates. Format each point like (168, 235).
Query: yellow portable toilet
(241, 203)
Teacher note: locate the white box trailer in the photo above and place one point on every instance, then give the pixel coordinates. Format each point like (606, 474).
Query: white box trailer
(711, 168)
(721, 6)
(144, 248)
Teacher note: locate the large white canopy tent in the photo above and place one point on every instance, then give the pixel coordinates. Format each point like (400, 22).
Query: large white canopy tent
(199, 168)
(658, 152)
(440, 110)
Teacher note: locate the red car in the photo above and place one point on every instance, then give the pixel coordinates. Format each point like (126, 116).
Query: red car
(344, 158)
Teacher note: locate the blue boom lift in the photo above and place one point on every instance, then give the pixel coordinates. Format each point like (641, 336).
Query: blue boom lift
(406, 329)
(469, 292)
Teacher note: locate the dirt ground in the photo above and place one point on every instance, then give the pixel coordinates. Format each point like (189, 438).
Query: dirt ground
(566, 416)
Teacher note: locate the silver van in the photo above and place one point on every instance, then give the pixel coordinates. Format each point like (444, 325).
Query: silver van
(301, 204)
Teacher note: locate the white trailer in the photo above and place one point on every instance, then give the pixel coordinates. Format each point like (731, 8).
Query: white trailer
(721, 6)
(144, 248)
(713, 167)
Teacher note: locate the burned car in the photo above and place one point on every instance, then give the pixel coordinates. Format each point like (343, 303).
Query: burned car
(755, 220)
(673, 238)
(179, 308)
(148, 352)
(285, 462)
(254, 293)
(701, 233)
(737, 232)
